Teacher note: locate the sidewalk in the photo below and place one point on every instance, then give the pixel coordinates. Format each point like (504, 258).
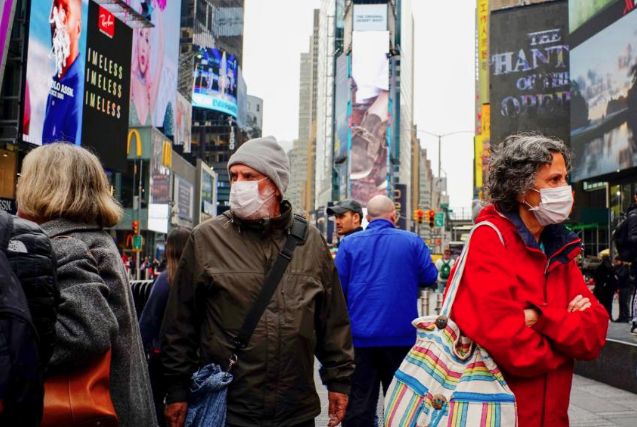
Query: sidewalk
(593, 404)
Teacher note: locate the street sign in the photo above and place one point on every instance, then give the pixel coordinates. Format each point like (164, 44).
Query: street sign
(137, 242)
(439, 221)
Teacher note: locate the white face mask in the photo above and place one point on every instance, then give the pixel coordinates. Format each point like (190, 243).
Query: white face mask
(245, 200)
(555, 205)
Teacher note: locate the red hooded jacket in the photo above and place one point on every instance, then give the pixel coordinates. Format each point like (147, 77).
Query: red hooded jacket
(499, 282)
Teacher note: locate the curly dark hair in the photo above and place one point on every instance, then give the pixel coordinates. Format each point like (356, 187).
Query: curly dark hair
(514, 166)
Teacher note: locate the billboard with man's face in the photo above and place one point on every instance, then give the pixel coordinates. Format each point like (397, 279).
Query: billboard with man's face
(54, 93)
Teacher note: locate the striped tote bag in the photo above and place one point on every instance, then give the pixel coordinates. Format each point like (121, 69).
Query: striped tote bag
(446, 379)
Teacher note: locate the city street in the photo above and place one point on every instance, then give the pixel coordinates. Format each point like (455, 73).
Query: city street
(593, 404)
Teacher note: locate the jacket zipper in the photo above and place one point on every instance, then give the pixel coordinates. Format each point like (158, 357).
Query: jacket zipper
(559, 251)
(544, 400)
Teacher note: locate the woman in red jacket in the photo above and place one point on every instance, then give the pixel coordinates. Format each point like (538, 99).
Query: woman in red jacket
(526, 301)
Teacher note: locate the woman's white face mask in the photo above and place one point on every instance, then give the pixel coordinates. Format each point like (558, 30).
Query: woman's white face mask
(245, 200)
(555, 205)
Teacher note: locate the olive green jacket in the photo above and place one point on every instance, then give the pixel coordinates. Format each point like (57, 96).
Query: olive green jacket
(221, 272)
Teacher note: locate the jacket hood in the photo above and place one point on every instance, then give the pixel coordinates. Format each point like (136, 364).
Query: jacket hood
(560, 244)
(60, 226)
(264, 226)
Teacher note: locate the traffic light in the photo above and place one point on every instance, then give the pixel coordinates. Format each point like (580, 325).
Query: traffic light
(419, 216)
(431, 215)
(135, 227)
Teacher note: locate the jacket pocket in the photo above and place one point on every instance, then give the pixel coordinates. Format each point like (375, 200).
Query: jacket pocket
(475, 409)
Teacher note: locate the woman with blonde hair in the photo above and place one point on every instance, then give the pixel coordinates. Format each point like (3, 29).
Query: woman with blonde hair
(64, 188)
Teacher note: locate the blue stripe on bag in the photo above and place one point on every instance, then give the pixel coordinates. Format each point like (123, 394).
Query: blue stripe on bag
(479, 397)
(412, 382)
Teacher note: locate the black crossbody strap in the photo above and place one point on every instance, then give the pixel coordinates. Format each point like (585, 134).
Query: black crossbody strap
(296, 236)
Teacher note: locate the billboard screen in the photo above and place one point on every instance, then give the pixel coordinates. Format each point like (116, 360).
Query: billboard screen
(530, 85)
(370, 17)
(207, 193)
(53, 106)
(341, 108)
(159, 172)
(106, 88)
(580, 12)
(6, 24)
(153, 94)
(183, 123)
(604, 100)
(370, 115)
(215, 86)
(184, 193)
(242, 102)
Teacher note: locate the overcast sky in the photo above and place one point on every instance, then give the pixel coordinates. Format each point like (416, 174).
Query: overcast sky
(444, 76)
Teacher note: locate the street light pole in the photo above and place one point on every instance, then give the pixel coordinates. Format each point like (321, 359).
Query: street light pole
(440, 136)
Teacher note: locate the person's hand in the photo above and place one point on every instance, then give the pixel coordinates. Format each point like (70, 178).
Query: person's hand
(579, 303)
(338, 405)
(176, 414)
(531, 316)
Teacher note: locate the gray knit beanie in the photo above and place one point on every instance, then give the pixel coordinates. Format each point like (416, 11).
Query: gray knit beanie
(264, 155)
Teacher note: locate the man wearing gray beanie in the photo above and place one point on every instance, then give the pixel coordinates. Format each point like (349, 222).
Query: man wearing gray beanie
(222, 270)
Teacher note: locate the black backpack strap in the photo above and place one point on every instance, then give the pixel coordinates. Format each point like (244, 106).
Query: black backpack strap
(296, 236)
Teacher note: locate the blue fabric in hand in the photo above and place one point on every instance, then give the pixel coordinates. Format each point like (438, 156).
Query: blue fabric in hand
(208, 397)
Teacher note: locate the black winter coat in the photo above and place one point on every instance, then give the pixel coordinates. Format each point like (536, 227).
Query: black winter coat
(33, 262)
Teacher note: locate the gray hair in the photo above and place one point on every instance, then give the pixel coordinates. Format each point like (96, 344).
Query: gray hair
(514, 166)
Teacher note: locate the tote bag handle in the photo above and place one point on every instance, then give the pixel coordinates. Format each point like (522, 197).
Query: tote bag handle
(457, 277)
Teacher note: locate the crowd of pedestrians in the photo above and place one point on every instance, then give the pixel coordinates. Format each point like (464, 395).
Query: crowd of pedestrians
(253, 296)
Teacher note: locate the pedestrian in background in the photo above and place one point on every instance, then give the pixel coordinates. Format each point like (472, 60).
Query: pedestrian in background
(381, 270)
(622, 284)
(444, 266)
(348, 214)
(153, 314)
(522, 296)
(604, 284)
(222, 270)
(64, 188)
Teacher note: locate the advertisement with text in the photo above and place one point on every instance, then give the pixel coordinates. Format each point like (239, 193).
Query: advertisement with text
(530, 84)
(54, 92)
(216, 80)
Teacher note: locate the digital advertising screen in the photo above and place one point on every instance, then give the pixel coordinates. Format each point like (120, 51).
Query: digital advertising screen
(242, 102)
(7, 10)
(341, 107)
(183, 123)
(184, 193)
(207, 193)
(604, 96)
(369, 120)
(56, 62)
(107, 87)
(155, 56)
(215, 80)
(159, 172)
(530, 82)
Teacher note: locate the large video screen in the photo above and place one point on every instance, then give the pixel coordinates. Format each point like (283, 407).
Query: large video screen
(370, 115)
(530, 84)
(107, 87)
(153, 95)
(56, 62)
(604, 100)
(215, 80)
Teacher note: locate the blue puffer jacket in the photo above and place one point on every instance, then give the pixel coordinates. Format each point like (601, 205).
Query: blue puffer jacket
(381, 269)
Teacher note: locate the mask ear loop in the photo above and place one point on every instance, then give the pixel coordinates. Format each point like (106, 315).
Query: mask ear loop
(533, 208)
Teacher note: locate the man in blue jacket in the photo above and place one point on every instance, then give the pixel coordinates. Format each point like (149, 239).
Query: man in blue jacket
(381, 270)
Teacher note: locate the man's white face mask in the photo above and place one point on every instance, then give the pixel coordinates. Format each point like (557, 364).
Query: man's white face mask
(555, 205)
(245, 200)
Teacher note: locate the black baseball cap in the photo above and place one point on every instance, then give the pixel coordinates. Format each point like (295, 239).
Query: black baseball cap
(347, 205)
